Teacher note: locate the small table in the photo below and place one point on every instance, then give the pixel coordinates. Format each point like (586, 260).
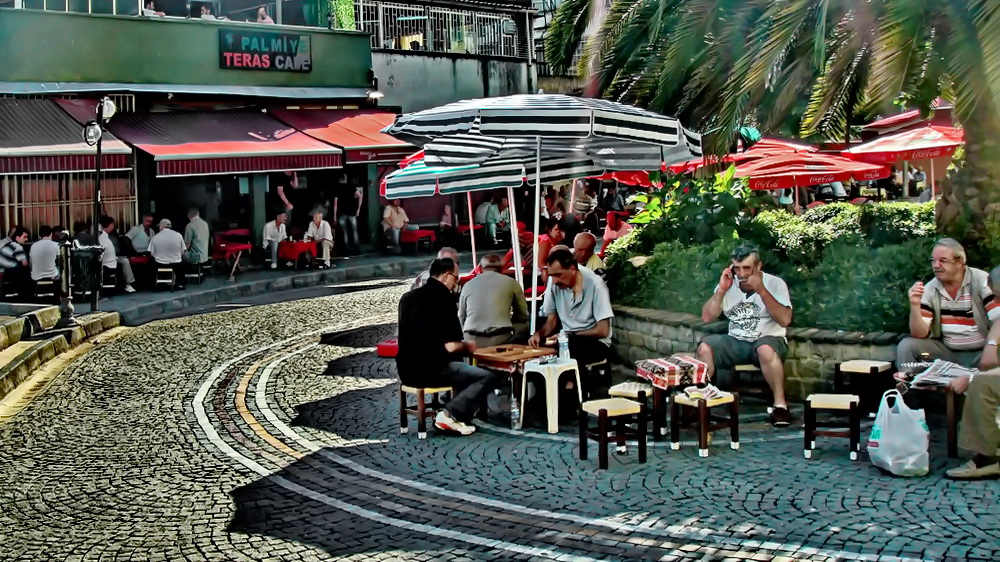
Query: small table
(665, 375)
(415, 236)
(292, 250)
(510, 358)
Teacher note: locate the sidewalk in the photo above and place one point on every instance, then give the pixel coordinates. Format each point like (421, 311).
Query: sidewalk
(139, 307)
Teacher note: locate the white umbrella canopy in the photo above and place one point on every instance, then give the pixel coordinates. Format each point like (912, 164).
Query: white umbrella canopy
(596, 134)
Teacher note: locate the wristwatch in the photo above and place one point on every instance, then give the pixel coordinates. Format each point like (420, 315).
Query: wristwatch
(992, 342)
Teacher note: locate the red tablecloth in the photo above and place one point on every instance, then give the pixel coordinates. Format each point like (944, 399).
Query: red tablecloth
(413, 236)
(291, 250)
(670, 372)
(140, 260)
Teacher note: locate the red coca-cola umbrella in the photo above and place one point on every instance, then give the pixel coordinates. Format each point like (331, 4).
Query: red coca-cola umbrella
(925, 143)
(784, 171)
(635, 177)
(760, 149)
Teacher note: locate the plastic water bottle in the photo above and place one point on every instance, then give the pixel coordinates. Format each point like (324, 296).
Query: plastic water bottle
(515, 412)
(563, 345)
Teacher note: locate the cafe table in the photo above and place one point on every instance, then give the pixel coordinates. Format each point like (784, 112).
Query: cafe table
(510, 358)
(292, 250)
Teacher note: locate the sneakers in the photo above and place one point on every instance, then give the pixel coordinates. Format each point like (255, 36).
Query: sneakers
(781, 417)
(326, 264)
(129, 289)
(971, 471)
(274, 265)
(444, 421)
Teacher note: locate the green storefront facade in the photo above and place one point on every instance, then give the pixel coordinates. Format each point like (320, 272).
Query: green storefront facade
(156, 65)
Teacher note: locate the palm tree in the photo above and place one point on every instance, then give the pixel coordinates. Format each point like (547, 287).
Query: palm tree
(720, 64)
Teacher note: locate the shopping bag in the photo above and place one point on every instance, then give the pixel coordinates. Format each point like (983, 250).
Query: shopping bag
(900, 438)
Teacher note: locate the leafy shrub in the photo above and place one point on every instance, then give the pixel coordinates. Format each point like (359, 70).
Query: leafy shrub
(894, 223)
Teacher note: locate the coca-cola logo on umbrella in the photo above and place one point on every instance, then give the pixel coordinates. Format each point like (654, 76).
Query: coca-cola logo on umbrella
(768, 184)
(824, 178)
(927, 153)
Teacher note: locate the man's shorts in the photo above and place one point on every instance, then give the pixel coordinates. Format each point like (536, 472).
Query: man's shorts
(728, 352)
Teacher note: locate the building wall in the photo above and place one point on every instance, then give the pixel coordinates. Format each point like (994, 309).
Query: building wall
(65, 47)
(417, 81)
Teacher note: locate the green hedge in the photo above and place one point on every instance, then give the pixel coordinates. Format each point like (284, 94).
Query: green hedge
(847, 266)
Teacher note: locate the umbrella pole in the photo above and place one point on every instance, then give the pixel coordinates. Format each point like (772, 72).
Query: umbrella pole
(538, 211)
(472, 229)
(515, 243)
(932, 180)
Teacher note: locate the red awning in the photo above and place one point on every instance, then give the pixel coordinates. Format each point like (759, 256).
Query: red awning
(221, 142)
(357, 131)
(36, 137)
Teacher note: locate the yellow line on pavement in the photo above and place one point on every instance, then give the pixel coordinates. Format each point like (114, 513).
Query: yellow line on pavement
(36, 383)
(250, 419)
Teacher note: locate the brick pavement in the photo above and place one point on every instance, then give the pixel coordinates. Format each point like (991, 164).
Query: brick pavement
(189, 440)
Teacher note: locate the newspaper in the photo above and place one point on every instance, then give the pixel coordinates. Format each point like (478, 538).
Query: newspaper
(940, 373)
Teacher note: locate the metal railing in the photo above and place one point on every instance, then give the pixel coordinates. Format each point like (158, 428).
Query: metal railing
(443, 30)
(63, 199)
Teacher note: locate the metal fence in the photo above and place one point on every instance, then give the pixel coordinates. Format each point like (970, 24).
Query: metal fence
(442, 30)
(51, 199)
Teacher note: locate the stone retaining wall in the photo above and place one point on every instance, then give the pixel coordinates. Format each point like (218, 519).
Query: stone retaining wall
(641, 333)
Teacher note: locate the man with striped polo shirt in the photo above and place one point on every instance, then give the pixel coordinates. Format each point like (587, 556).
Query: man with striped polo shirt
(952, 315)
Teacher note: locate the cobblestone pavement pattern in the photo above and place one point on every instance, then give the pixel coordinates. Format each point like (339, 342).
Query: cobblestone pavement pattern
(249, 435)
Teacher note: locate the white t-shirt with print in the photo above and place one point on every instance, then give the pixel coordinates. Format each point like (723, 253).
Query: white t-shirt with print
(749, 319)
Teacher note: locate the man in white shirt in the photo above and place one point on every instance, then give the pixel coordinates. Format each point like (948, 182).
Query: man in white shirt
(43, 256)
(320, 231)
(110, 259)
(394, 221)
(168, 248)
(274, 233)
(759, 309)
(141, 234)
(196, 238)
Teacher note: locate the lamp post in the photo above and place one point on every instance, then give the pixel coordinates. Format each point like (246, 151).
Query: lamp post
(93, 133)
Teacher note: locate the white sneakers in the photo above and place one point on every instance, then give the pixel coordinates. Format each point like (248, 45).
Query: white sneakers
(129, 289)
(274, 265)
(444, 421)
(326, 264)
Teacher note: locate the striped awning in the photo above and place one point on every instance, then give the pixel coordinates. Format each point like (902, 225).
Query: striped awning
(421, 179)
(619, 136)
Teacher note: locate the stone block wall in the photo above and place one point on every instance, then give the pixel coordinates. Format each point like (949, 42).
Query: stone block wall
(641, 333)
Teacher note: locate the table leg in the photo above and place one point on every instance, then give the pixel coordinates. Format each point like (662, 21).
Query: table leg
(236, 265)
(659, 415)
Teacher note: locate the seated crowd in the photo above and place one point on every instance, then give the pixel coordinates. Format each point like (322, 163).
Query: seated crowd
(952, 317)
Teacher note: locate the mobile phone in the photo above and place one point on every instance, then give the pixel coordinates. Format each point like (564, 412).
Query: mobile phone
(732, 271)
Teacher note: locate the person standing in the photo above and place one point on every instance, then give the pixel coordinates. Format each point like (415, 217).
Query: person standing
(346, 207)
(44, 256)
(196, 237)
(320, 231)
(284, 183)
(110, 258)
(167, 248)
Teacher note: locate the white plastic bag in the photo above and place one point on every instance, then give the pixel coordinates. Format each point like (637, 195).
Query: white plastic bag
(900, 438)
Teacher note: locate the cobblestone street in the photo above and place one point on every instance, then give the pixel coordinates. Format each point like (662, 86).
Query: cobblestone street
(271, 433)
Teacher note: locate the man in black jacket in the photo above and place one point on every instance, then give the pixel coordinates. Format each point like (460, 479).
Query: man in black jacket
(431, 348)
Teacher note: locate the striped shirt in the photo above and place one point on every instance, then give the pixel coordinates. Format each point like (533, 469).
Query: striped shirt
(958, 324)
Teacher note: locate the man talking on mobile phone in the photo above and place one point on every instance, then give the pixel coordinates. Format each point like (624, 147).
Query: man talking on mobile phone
(759, 309)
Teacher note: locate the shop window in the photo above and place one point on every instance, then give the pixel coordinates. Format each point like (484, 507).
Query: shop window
(102, 6)
(127, 7)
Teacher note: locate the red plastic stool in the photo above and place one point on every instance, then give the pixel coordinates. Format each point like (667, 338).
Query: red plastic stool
(387, 348)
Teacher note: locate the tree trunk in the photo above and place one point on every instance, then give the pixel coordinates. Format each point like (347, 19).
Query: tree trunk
(969, 208)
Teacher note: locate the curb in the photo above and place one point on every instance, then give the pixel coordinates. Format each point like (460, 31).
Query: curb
(192, 297)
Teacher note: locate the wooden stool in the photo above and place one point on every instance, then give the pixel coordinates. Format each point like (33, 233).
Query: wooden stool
(867, 387)
(705, 420)
(196, 271)
(422, 411)
(46, 290)
(109, 281)
(622, 411)
(763, 393)
(839, 403)
(633, 391)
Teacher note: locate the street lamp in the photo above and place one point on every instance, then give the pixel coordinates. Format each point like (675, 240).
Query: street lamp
(93, 132)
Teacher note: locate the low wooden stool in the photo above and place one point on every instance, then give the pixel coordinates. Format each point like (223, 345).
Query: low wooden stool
(837, 402)
(633, 391)
(622, 411)
(752, 390)
(864, 378)
(705, 420)
(165, 276)
(423, 410)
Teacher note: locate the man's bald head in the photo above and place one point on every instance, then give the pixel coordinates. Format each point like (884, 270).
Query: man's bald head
(583, 247)
(447, 252)
(491, 262)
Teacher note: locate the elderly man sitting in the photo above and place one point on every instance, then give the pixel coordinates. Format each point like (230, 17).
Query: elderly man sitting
(953, 317)
(583, 250)
(168, 248)
(492, 308)
(980, 431)
(446, 252)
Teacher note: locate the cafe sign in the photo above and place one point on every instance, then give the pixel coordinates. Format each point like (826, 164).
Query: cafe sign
(264, 50)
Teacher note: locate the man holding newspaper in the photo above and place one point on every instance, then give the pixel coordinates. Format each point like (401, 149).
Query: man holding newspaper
(954, 318)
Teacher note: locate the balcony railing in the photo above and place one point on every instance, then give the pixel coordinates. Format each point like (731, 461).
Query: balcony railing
(221, 10)
(442, 30)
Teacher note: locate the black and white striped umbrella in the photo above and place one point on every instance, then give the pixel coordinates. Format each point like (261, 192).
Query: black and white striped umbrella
(616, 136)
